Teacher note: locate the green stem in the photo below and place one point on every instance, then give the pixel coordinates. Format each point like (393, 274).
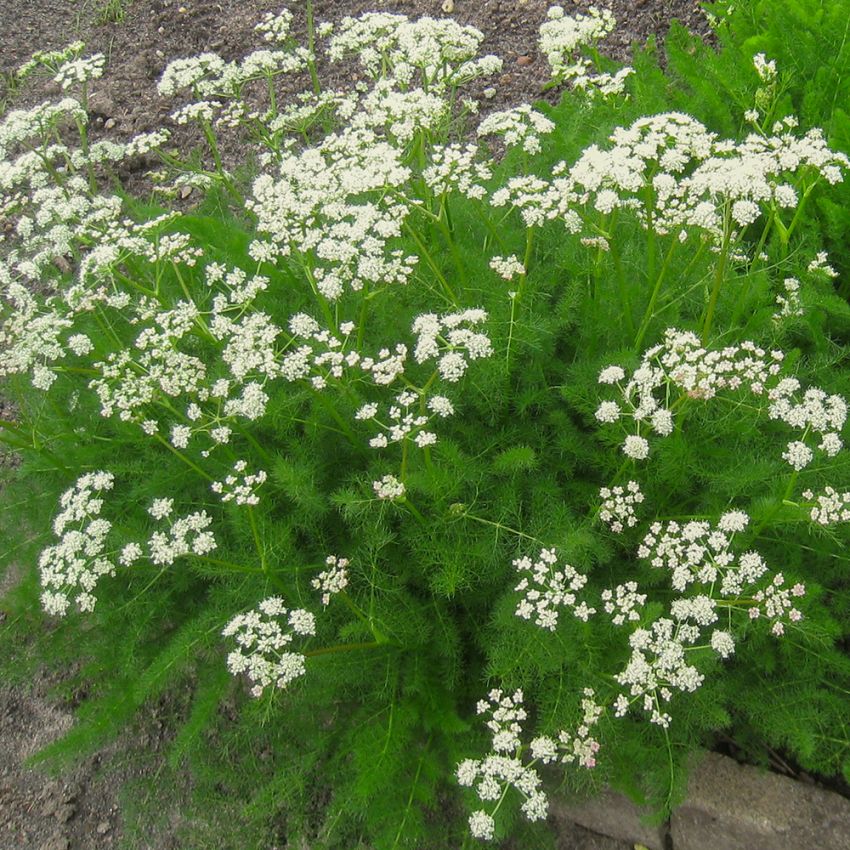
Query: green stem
(443, 223)
(650, 308)
(434, 267)
(258, 543)
(742, 301)
(183, 457)
(720, 272)
(622, 288)
(335, 415)
(500, 527)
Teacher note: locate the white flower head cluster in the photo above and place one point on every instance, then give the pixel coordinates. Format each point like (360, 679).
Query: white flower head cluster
(503, 767)
(77, 71)
(70, 569)
(441, 52)
(450, 339)
(455, 167)
(789, 302)
(831, 507)
(674, 175)
(579, 748)
(507, 267)
(624, 602)
(334, 202)
(546, 589)
(618, 506)
(321, 356)
(239, 486)
(275, 26)
(776, 603)
(521, 125)
(200, 73)
(389, 488)
(400, 115)
(186, 535)
(815, 412)
(766, 69)
(681, 364)
(562, 38)
(699, 552)
(820, 265)
(262, 652)
(658, 667)
(405, 423)
(333, 580)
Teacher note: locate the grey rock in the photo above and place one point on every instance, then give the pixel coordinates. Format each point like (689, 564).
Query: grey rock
(738, 807)
(611, 814)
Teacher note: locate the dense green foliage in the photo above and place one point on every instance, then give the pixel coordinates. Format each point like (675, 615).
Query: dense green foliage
(362, 750)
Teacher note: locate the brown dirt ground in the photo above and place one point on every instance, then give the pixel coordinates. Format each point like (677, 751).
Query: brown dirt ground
(80, 810)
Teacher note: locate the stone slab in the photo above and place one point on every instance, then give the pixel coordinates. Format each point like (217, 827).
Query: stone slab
(614, 815)
(737, 807)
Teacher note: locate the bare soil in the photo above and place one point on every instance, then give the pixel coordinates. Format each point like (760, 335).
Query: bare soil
(80, 810)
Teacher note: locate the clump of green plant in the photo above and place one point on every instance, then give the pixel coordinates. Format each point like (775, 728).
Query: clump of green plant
(461, 467)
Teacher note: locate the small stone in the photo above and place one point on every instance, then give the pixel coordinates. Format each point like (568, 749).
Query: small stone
(448, 6)
(182, 10)
(103, 827)
(185, 191)
(109, 124)
(524, 60)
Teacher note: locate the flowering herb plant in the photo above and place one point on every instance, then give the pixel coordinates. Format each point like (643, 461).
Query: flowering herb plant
(461, 464)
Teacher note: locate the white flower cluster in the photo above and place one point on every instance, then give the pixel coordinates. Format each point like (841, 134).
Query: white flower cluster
(446, 338)
(442, 51)
(389, 488)
(618, 506)
(673, 174)
(186, 535)
(681, 363)
(321, 357)
(624, 603)
(240, 487)
(658, 667)
(503, 768)
(816, 411)
(700, 552)
(403, 422)
(580, 748)
(789, 302)
(820, 265)
(776, 602)
(262, 653)
(275, 26)
(71, 569)
(454, 167)
(563, 36)
(507, 267)
(80, 70)
(831, 507)
(319, 206)
(764, 68)
(545, 589)
(333, 580)
(521, 125)
(400, 114)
